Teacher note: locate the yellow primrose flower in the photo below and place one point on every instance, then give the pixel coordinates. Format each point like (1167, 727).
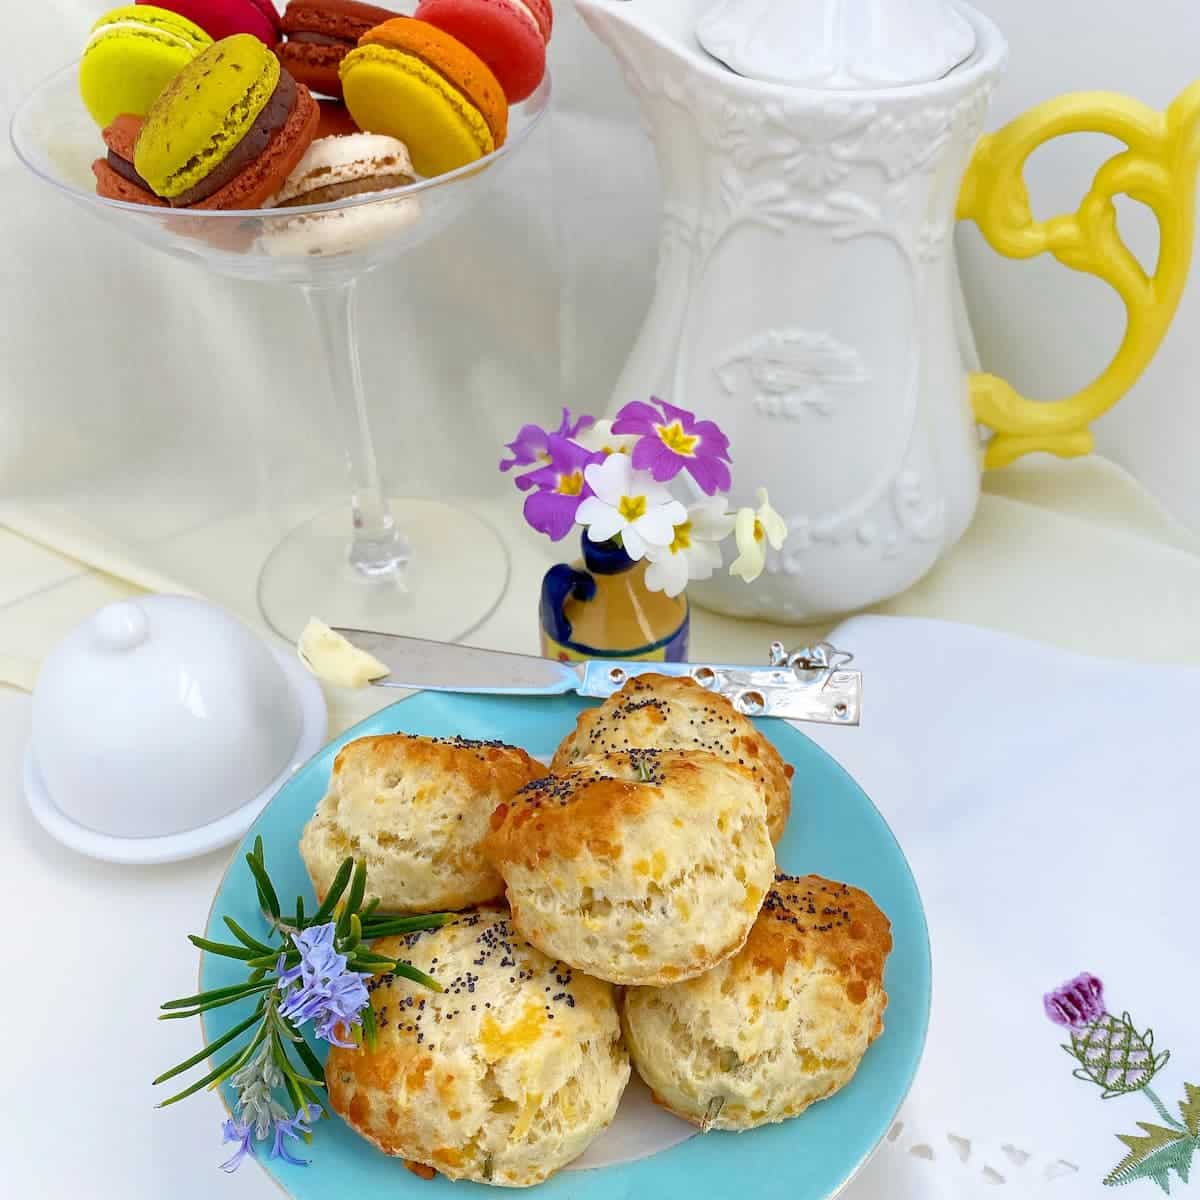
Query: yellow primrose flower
(752, 528)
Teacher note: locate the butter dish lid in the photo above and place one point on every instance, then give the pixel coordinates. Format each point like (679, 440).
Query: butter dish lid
(838, 45)
(161, 726)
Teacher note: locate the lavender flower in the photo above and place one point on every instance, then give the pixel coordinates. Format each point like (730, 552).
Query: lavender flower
(324, 992)
(295, 1128)
(672, 440)
(561, 486)
(1076, 1003)
(531, 444)
(242, 1133)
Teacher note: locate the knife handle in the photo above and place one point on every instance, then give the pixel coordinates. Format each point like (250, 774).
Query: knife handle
(821, 692)
(603, 676)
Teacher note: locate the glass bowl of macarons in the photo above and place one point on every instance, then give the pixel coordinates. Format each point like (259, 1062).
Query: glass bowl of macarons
(299, 145)
(308, 147)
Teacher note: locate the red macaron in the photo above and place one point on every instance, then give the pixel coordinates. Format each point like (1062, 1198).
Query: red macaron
(335, 119)
(320, 33)
(509, 35)
(223, 18)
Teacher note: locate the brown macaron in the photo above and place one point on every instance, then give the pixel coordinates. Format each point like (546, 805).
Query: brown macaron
(116, 177)
(319, 34)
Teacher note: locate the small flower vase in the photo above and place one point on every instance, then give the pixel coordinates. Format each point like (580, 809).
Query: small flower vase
(602, 608)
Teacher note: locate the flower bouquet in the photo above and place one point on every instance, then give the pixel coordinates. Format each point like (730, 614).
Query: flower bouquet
(617, 481)
(313, 970)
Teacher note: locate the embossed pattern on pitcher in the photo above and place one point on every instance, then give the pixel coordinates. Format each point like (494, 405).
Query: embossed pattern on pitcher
(839, 416)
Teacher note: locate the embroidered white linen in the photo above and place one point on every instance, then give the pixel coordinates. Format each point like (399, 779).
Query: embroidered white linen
(1046, 803)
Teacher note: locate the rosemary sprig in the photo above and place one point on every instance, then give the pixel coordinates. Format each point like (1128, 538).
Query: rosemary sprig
(303, 969)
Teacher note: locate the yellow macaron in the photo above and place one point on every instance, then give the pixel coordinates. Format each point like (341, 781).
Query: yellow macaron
(411, 81)
(132, 54)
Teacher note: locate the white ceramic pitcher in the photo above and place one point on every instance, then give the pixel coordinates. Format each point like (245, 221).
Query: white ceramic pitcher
(814, 155)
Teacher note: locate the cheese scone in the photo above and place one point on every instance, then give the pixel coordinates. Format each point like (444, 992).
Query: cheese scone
(640, 868)
(660, 712)
(503, 1077)
(782, 1024)
(415, 809)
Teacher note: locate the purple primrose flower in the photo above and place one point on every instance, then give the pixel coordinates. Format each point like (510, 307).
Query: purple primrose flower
(561, 487)
(324, 992)
(1077, 1003)
(671, 440)
(531, 445)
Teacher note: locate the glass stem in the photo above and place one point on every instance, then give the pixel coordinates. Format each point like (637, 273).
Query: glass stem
(377, 547)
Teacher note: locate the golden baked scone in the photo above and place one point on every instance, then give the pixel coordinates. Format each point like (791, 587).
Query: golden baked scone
(504, 1077)
(783, 1023)
(643, 867)
(660, 712)
(415, 809)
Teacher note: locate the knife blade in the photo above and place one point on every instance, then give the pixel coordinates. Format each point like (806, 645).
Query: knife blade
(806, 685)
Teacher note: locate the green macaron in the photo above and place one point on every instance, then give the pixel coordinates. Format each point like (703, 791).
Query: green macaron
(204, 112)
(132, 54)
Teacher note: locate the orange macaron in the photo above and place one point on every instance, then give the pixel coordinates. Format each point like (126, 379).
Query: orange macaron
(411, 81)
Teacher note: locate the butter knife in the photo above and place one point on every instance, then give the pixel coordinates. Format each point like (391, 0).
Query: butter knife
(810, 684)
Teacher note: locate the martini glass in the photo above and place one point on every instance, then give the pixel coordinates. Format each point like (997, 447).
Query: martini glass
(371, 564)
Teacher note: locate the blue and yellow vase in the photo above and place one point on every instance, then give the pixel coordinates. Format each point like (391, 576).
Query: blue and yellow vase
(601, 608)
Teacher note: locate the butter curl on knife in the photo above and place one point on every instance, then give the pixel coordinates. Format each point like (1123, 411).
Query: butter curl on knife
(333, 659)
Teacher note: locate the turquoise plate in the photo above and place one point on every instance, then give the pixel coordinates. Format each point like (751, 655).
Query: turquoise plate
(834, 831)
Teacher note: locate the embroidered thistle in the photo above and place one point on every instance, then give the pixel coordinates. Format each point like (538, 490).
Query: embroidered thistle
(1076, 1003)
(1118, 1059)
(1111, 1053)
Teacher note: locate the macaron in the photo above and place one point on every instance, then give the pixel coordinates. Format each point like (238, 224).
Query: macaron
(320, 33)
(411, 81)
(351, 165)
(223, 18)
(335, 168)
(132, 54)
(509, 35)
(227, 130)
(335, 119)
(116, 177)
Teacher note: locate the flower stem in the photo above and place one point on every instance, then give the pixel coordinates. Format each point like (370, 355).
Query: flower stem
(336, 888)
(209, 1005)
(1161, 1109)
(214, 1076)
(212, 1047)
(310, 1060)
(236, 990)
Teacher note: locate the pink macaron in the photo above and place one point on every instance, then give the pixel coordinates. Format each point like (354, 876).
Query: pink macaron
(509, 35)
(223, 18)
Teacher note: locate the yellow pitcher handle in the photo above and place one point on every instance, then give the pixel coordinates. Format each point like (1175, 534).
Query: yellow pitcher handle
(1158, 169)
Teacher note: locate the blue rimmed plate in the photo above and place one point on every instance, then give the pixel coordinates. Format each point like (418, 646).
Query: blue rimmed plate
(834, 831)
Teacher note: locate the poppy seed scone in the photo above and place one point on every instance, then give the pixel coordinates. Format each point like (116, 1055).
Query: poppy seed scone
(782, 1024)
(415, 809)
(503, 1077)
(640, 868)
(661, 712)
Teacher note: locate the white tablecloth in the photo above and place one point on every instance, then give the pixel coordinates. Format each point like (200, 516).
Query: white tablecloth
(1073, 554)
